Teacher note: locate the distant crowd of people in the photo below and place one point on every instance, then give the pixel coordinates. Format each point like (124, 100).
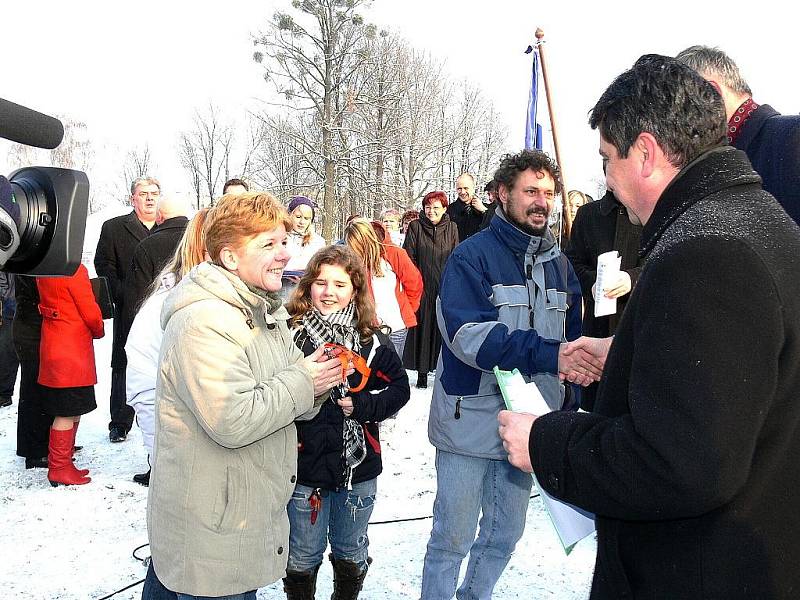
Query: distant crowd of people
(260, 362)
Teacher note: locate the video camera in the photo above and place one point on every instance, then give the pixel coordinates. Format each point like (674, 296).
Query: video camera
(42, 209)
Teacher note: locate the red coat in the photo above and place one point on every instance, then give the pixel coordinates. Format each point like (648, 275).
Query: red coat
(70, 319)
(409, 282)
(408, 288)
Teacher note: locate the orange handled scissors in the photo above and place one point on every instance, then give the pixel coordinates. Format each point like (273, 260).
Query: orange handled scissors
(346, 357)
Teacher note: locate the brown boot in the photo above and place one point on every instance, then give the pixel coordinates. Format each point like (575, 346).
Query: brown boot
(300, 585)
(83, 472)
(59, 459)
(348, 578)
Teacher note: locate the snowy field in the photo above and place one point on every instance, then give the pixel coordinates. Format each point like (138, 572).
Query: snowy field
(78, 542)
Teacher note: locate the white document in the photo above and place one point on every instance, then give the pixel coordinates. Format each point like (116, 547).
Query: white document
(607, 273)
(571, 523)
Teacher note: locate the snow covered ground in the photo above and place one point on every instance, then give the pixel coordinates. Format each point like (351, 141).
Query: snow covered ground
(78, 542)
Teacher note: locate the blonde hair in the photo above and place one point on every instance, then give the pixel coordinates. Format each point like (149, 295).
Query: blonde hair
(238, 218)
(360, 236)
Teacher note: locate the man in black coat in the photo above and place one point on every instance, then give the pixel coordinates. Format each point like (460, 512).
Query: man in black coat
(152, 254)
(600, 227)
(466, 212)
(770, 139)
(689, 461)
(118, 240)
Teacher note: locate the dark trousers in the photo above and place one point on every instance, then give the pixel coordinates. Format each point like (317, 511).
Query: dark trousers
(9, 364)
(121, 413)
(33, 425)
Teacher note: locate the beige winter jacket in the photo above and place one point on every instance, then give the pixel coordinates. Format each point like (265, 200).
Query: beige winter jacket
(225, 459)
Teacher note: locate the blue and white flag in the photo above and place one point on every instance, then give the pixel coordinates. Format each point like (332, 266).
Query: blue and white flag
(533, 131)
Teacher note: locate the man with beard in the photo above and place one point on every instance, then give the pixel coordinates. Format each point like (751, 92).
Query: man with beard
(508, 298)
(689, 460)
(468, 211)
(118, 240)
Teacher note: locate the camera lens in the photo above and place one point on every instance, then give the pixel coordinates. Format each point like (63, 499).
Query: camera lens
(6, 237)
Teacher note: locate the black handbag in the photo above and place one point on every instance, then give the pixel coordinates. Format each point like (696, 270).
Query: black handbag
(102, 295)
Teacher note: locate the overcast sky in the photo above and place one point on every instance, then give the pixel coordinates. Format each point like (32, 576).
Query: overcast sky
(135, 71)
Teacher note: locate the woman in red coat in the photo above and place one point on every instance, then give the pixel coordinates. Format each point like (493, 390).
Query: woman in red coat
(70, 320)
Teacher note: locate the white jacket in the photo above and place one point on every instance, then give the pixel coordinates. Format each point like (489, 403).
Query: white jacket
(142, 348)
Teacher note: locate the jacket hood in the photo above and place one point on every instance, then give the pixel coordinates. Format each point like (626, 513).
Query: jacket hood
(209, 281)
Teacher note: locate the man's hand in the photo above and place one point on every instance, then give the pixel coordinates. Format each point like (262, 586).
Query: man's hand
(582, 360)
(515, 430)
(620, 287)
(477, 204)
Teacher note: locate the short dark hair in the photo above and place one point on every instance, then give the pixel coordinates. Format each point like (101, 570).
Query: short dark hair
(235, 181)
(513, 164)
(661, 96)
(491, 186)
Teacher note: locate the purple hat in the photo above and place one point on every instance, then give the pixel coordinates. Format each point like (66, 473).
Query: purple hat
(298, 200)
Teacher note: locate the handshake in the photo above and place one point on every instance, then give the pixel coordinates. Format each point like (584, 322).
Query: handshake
(581, 361)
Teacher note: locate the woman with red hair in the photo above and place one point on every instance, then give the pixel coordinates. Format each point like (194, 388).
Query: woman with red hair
(429, 242)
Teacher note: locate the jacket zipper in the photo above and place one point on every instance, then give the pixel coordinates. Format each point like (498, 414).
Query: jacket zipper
(458, 407)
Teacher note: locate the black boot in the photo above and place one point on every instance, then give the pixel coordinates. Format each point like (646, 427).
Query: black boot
(36, 463)
(422, 381)
(143, 478)
(347, 578)
(300, 585)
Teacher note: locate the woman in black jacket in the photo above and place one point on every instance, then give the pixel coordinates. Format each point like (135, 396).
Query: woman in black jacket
(429, 242)
(33, 425)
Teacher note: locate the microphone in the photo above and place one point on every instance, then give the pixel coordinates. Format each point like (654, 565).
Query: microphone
(26, 126)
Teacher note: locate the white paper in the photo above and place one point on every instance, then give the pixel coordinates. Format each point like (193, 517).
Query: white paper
(525, 397)
(607, 274)
(571, 523)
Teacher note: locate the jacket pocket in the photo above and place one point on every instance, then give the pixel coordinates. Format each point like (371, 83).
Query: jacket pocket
(227, 504)
(48, 312)
(513, 305)
(557, 302)
(467, 424)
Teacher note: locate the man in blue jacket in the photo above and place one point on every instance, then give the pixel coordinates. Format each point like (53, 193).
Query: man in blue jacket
(508, 298)
(770, 140)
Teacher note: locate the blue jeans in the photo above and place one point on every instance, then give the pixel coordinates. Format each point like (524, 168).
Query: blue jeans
(466, 487)
(398, 339)
(342, 518)
(155, 590)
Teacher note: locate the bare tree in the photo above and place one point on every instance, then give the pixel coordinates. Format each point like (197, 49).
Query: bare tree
(205, 152)
(309, 58)
(187, 154)
(138, 163)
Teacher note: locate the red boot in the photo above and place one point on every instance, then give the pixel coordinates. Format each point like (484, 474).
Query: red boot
(83, 472)
(59, 460)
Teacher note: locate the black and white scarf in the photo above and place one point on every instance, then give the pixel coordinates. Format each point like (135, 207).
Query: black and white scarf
(339, 328)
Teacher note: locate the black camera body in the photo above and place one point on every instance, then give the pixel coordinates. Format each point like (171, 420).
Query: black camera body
(51, 225)
(42, 209)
